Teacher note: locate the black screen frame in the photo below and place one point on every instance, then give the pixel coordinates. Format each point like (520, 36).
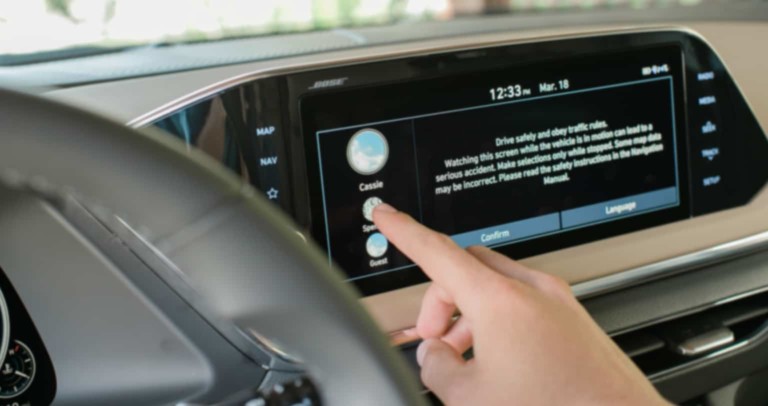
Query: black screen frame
(406, 277)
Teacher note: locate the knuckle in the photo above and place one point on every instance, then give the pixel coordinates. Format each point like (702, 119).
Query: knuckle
(507, 291)
(518, 297)
(438, 293)
(554, 284)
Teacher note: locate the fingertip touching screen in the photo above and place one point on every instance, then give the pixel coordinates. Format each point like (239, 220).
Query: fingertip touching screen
(524, 159)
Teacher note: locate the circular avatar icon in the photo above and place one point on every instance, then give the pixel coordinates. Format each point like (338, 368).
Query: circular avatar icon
(368, 207)
(367, 151)
(377, 245)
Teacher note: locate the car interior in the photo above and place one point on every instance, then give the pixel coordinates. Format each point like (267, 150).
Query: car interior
(187, 219)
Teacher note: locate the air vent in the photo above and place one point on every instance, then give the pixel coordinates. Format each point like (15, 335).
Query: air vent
(672, 344)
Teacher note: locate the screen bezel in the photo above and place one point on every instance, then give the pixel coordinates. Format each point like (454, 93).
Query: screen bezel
(431, 69)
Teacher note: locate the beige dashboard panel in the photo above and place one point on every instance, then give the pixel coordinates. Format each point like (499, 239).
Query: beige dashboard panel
(137, 100)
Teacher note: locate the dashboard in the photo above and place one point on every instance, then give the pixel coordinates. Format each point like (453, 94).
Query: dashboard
(615, 158)
(528, 148)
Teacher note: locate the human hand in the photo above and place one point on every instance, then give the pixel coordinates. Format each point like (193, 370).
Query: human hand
(533, 342)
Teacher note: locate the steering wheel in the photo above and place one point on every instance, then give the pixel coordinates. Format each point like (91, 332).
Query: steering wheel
(238, 260)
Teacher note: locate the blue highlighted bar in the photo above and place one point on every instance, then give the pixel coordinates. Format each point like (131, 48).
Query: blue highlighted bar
(502, 233)
(618, 208)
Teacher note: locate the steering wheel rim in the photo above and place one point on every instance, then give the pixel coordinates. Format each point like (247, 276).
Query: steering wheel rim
(240, 262)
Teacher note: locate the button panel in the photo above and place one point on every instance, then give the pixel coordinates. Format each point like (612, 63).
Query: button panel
(727, 146)
(706, 130)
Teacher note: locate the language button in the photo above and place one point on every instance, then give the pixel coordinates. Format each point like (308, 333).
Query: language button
(598, 212)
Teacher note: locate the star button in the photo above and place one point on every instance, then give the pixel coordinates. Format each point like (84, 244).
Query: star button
(272, 194)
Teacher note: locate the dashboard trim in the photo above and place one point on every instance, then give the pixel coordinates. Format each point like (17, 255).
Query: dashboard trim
(672, 266)
(457, 45)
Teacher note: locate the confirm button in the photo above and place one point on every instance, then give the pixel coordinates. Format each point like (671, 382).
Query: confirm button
(505, 233)
(496, 235)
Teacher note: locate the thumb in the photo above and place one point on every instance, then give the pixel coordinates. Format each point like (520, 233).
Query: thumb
(442, 368)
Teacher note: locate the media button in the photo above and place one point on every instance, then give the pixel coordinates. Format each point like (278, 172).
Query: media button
(707, 100)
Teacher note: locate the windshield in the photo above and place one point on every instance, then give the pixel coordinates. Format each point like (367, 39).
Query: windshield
(39, 30)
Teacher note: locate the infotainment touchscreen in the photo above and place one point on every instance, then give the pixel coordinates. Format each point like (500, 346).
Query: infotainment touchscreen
(523, 159)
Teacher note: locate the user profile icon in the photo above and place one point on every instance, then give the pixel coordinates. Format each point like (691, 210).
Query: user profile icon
(368, 207)
(377, 245)
(367, 151)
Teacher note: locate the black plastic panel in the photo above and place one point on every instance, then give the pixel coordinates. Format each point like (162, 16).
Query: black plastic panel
(242, 128)
(566, 110)
(728, 148)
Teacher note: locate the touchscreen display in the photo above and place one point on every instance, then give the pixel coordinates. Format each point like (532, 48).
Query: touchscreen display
(524, 159)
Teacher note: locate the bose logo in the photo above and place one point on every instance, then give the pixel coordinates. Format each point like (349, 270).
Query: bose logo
(321, 84)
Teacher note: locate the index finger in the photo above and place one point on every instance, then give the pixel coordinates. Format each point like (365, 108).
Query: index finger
(459, 273)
